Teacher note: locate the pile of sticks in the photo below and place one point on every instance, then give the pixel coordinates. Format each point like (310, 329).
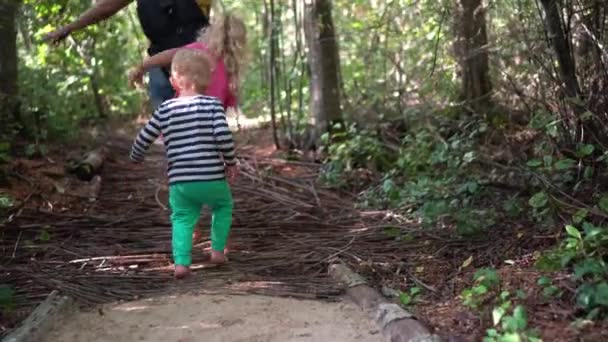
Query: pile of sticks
(286, 231)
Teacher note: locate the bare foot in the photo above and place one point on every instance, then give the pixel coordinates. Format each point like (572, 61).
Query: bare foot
(228, 247)
(217, 257)
(181, 271)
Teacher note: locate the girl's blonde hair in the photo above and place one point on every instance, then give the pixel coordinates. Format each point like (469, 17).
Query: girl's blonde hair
(226, 37)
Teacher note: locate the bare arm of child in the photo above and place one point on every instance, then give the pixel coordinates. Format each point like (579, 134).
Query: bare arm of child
(161, 59)
(225, 142)
(145, 138)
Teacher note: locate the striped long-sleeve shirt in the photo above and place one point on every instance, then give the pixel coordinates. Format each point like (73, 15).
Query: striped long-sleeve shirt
(198, 141)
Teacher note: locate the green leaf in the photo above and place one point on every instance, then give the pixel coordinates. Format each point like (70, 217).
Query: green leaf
(539, 200)
(567, 258)
(585, 150)
(521, 317)
(415, 291)
(480, 290)
(388, 186)
(564, 164)
(603, 204)
(517, 322)
(588, 267)
(544, 281)
(580, 215)
(487, 276)
(584, 296)
(510, 337)
(550, 291)
(572, 231)
(497, 314)
(491, 335)
(588, 173)
(534, 163)
(601, 294)
(405, 298)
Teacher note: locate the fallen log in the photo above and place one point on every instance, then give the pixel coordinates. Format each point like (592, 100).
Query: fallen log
(89, 165)
(396, 324)
(40, 321)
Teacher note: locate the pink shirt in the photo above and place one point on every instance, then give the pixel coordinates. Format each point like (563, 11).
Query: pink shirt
(219, 85)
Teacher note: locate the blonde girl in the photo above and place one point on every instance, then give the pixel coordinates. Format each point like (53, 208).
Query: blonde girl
(225, 40)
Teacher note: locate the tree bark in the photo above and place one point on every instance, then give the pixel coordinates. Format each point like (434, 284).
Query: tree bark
(272, 61)
(90, 164)
(562, 46)
(472, 52)
(9, 103)
(324, 64)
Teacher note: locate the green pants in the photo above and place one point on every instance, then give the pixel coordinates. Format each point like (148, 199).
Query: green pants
(186, 200)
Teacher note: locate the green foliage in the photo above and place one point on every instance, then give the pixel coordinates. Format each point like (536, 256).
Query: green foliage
(80, 80)
(509, 321)
(581, 251)
(6, 202)
(486, 281)
(550, 291)
(510, 327)
(410, 297)
(422, 170)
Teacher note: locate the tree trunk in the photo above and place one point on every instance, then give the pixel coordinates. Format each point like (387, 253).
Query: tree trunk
(472, 52)
(567, 68)
(562, 46)
(324, 64)
(272, 61)
(9, 104)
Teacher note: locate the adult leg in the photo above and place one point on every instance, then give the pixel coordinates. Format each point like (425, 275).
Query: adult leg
(159, 87)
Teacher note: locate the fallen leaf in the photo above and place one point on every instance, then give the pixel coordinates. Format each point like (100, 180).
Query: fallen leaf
(467, 262)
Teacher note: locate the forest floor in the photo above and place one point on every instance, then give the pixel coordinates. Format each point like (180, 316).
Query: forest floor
(112, 244)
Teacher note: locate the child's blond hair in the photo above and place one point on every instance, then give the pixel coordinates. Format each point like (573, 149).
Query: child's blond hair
(226, 37)
(194, 65)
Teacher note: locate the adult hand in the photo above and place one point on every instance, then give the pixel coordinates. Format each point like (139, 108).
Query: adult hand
(55, 37)
(136, 76)
(232, 172)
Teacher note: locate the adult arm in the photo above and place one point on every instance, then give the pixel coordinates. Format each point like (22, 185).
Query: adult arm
(102, 10)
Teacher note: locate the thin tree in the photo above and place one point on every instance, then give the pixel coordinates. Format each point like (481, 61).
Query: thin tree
(9, 104)
(272, 61)
(324, 64)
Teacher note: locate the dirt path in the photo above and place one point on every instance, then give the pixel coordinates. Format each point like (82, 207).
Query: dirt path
(287, 229)
(218, 318)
